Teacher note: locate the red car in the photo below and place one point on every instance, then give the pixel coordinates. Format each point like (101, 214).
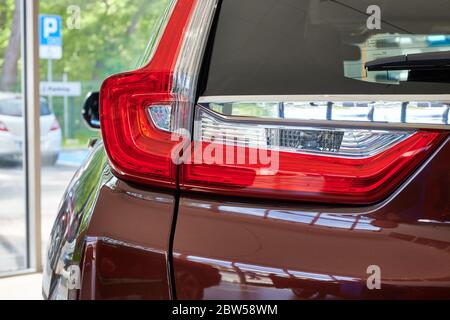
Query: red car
(268, 149)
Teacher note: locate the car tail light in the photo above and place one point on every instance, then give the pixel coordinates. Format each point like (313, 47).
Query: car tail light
(141, 110)
(55, 126)
(260, 158)
(137, 147)
(3, 127)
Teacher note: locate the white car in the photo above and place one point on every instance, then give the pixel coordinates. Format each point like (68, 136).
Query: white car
(12, 133)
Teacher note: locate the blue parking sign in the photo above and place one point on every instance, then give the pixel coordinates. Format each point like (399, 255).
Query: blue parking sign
(50, 36)
(50, 30)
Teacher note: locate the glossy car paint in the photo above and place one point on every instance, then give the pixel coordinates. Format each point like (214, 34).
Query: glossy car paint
(67, 238)
(290, 251)
(127, 244)
(118, 234)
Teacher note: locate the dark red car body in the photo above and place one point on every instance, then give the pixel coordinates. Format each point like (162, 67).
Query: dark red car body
(133, 240)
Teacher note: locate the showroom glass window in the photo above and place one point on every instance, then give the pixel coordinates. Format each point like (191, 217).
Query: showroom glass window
(13, 239)
(98, 39)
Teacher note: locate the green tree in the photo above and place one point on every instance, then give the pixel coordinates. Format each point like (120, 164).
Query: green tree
(9, 44)
(113, 34)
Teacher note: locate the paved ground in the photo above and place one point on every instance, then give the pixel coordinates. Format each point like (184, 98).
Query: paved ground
(12, 206)
(27, 287)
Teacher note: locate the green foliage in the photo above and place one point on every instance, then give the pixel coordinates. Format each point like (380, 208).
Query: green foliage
(6, 15)
(106, 42)
(113, 35)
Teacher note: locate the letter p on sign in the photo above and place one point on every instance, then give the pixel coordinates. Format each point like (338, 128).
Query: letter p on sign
(50, 26)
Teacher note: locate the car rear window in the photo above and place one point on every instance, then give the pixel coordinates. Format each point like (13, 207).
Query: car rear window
(45, 109)
(13, 107)
(273, 47)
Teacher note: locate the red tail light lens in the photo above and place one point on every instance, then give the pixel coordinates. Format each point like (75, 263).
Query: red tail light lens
(55, 126)
(284, 161)
(138, 147)
(310, 177)
(3, 127)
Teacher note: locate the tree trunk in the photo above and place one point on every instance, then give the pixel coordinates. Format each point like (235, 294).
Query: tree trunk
(12, 53)
(135, 19)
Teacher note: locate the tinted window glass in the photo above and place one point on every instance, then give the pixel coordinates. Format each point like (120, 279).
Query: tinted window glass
(320, 47)
(45, 110)
(11, 107)
(14, 108)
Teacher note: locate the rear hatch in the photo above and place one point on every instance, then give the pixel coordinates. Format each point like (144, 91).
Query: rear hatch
(286, 102)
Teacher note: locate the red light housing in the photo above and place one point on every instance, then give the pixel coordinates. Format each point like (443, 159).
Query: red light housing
(310, 177)
(137, 149)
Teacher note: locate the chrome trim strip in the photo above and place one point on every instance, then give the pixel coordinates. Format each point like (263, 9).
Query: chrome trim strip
(187, 68)
(402, 120)
(192, 49)
(322, 123)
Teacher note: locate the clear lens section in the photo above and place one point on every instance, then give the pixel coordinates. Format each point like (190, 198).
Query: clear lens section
(411, 112)
(161, 116)
(212, 127)
(426, 112)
